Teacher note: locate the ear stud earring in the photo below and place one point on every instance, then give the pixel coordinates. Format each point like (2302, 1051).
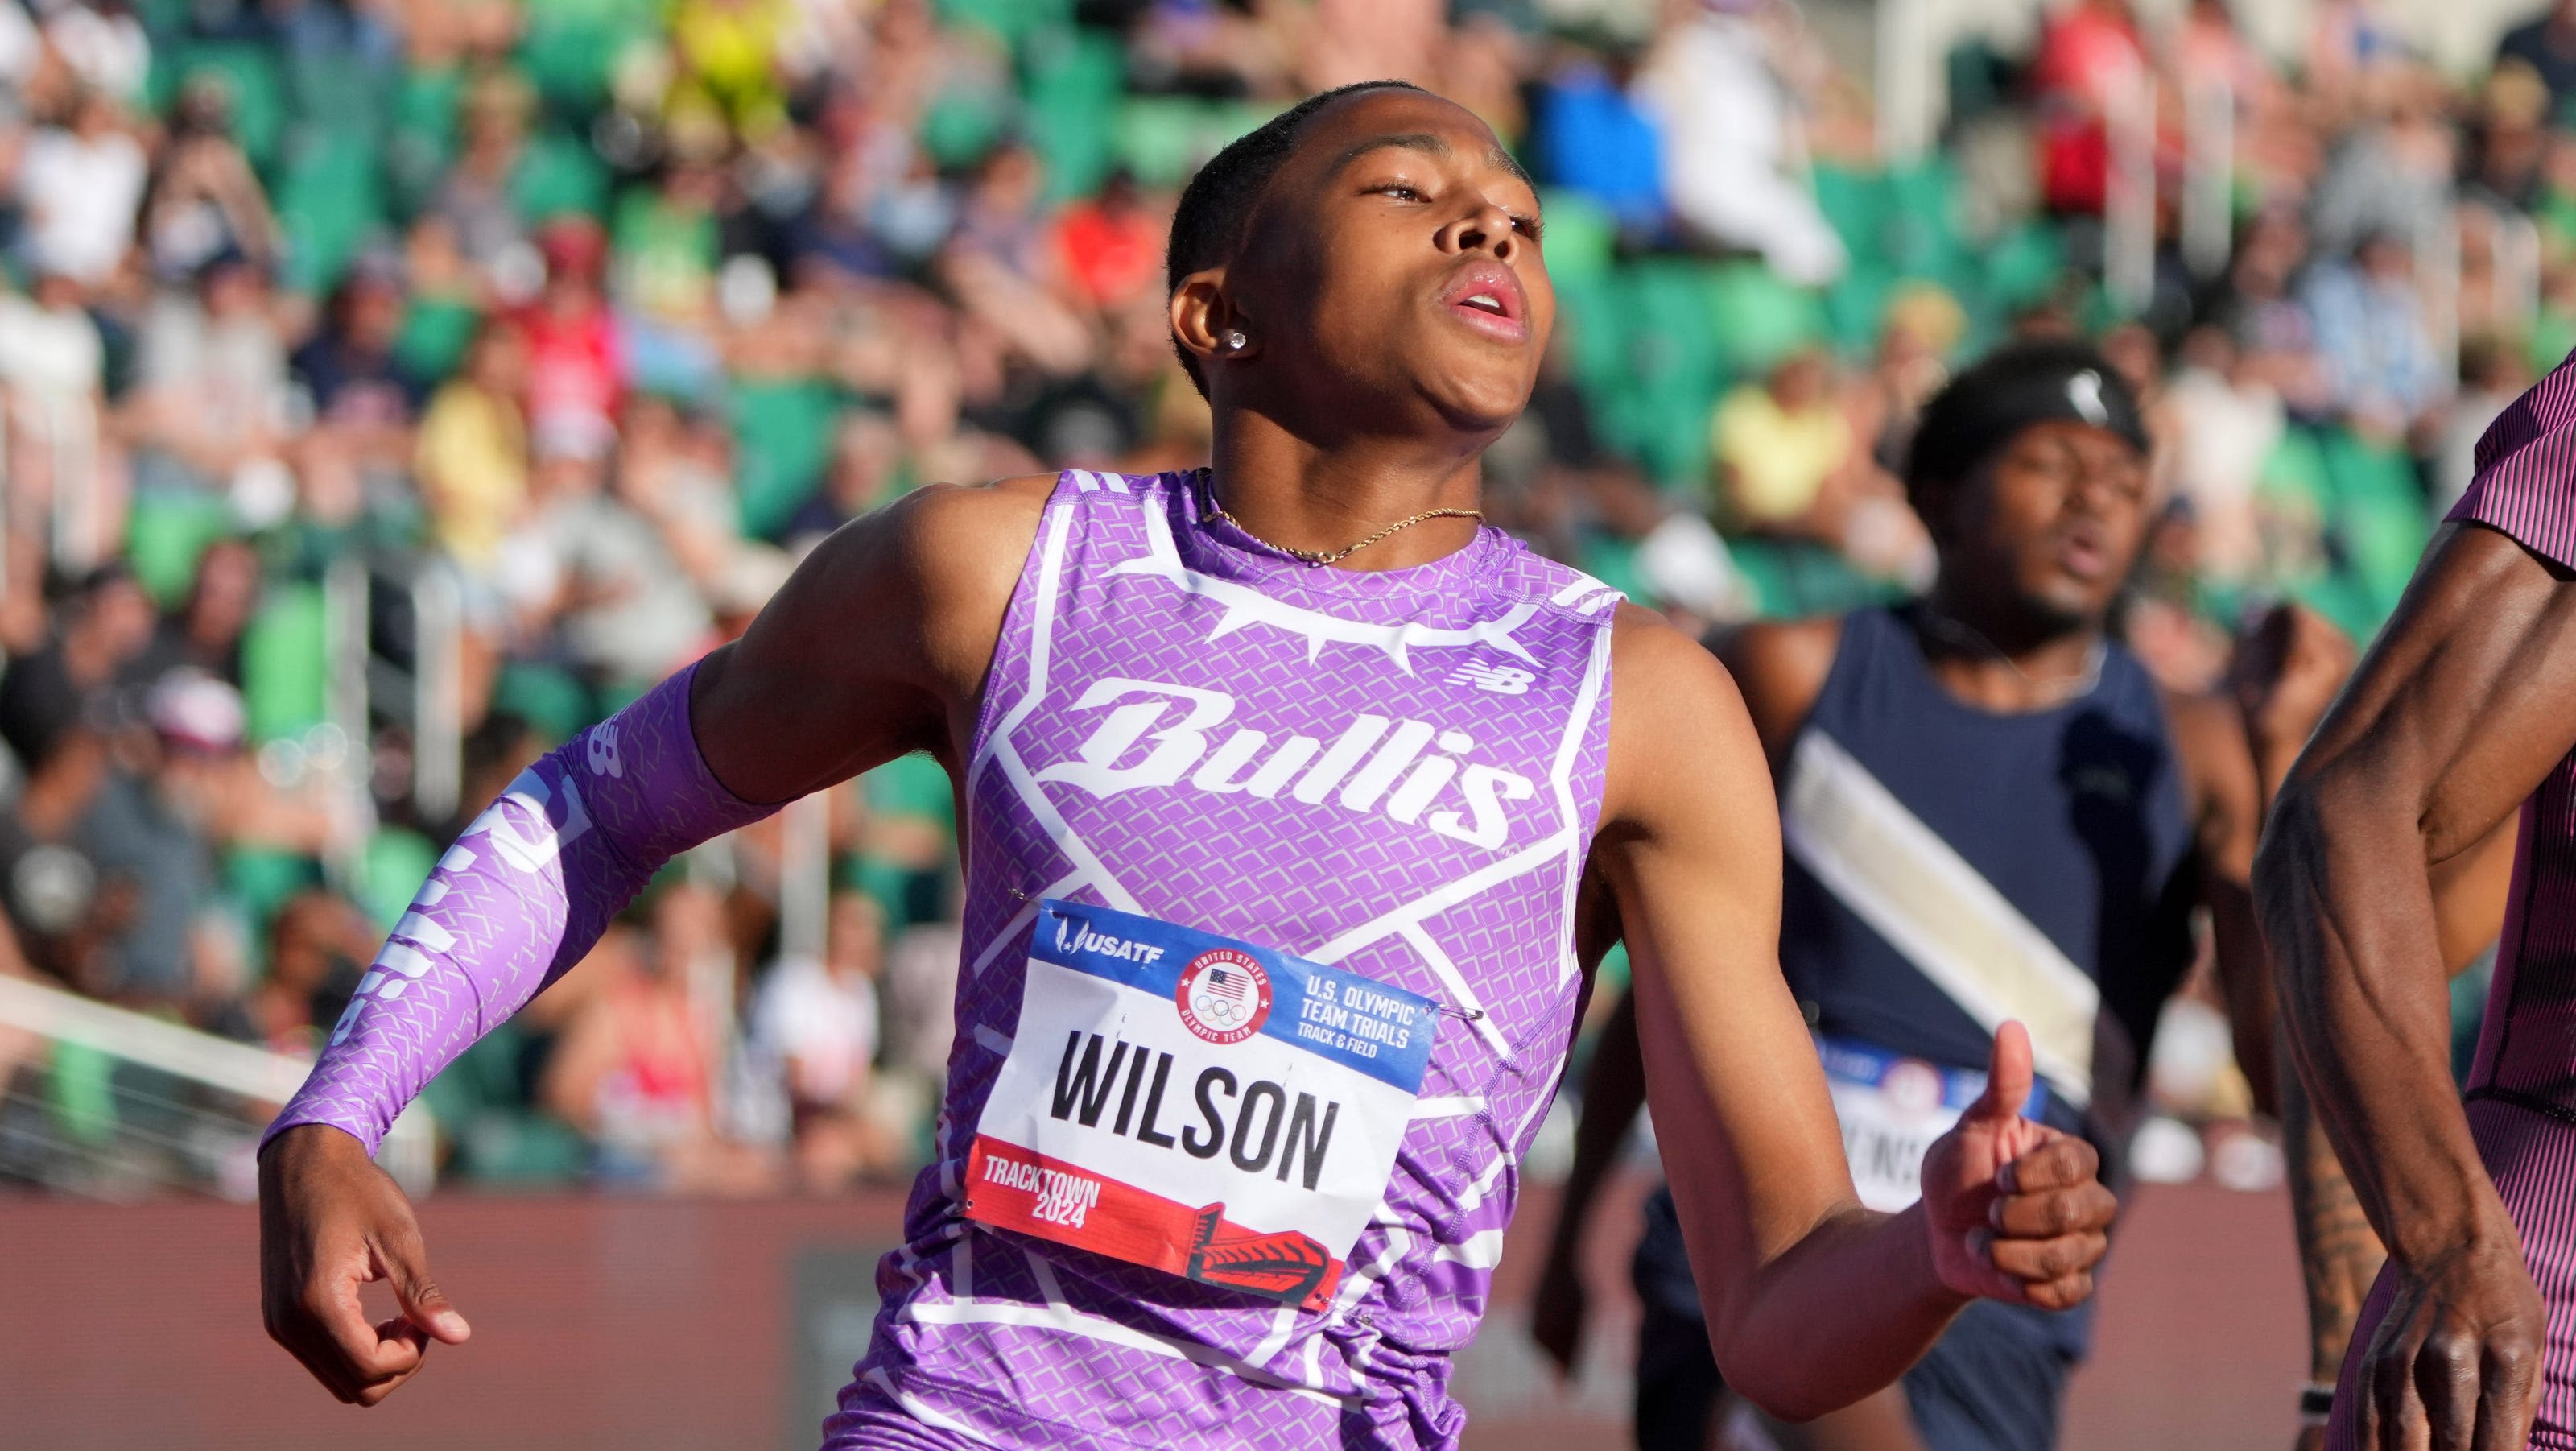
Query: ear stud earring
(1235, 341)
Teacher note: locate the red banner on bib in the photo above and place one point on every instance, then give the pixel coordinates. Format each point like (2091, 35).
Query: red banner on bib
(1013, 1188)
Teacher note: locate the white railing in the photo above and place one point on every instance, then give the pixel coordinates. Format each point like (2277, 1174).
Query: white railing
(438, 687)
(2208, 172)
(348, 756)
(254, 1074)
(805, 876)
(2129, 203)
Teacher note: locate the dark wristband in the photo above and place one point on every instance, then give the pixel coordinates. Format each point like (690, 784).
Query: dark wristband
(2316, 1402)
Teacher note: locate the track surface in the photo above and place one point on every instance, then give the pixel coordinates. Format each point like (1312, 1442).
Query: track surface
(639, 1324)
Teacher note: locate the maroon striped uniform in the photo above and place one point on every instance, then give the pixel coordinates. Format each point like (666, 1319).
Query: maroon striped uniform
(2521, 1096)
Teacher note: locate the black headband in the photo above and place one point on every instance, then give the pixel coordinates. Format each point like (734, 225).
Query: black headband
(1986, 407)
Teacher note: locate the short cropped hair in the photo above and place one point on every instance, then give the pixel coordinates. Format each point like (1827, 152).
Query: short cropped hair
(1216, 206)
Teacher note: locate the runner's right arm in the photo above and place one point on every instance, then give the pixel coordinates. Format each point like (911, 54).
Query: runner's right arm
(1781, 667)
(876, 646)
(2456, 715)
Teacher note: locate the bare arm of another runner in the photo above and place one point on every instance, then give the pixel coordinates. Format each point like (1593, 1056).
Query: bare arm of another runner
(1812, 1301)
(1614, 1088)
(2457, 714)
(876, 646)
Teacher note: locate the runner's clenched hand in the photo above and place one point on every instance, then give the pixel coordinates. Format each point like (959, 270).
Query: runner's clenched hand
(2016, 1209)
(329, 1221)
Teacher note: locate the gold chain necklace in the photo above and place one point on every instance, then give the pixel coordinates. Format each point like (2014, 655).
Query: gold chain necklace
(1317, 559)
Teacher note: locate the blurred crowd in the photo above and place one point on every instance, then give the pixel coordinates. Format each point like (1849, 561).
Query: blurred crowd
(389, 388)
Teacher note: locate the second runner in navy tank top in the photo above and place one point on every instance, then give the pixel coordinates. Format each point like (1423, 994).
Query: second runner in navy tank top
(2074, 816)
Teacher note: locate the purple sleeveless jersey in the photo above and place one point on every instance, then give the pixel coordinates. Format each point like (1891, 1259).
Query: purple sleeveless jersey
(2522, 1088)
(1395, 773)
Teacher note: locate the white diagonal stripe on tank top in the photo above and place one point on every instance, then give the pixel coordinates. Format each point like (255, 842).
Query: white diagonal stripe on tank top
(1069, 1321)
(1561, 775)
(1011, 931)
(1916, 891)
(1437, 959)
(1520, 863)
(1479, 1251)
(1576, 588)
(1059, 523)
(1094, 871)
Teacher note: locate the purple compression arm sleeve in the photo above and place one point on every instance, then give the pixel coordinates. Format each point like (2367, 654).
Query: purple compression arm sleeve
(522, 896)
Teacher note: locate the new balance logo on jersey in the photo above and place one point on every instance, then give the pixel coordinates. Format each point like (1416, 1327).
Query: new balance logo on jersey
(1378, 763)
(1499, 679)
(602, 748)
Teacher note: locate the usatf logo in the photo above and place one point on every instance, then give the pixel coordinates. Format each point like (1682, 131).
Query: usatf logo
(1224, 995)
(1498, 679)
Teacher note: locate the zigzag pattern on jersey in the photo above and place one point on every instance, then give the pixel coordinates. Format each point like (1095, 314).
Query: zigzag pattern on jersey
(1015, 1340)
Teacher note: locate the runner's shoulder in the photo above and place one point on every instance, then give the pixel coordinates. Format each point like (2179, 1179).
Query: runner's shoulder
(1681, 743)
(935, 568)
(953, 546)
(1664, 685)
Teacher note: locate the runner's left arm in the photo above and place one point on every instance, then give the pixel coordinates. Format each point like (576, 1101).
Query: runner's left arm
(1812, 1301)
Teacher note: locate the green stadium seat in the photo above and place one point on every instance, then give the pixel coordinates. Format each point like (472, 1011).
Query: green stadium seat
(421, 133)
(545, 696)
(1920, 236)
(1854, 202)
(480, 1102)
(250, 74)
(435, 333)
(286, 663)
(1855, 307)
(336, 93)
(559, 173)
(259, 880)
(783, 430)
(1071, 108)
(1014, 21)
(2023, 266)
(914, 785)
(331, 202)
(80, 1092)
(1158, 139)
(165, 531)
(1581, 237)
(962, 124)
(1794, 579)
(390, 871)
(1162, 139)
(569, 47)
(1759, 318)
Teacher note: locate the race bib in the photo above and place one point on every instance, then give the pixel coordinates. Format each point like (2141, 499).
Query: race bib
(1204, 1106)
(1892, 1108)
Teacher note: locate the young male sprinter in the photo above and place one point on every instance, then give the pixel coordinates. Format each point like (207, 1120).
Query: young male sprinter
(1991, 811)
(2462, 715)
(1280, 882)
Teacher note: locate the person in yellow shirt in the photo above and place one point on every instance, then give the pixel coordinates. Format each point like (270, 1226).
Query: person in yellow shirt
(473, 448)
(471, 457)
(1777, 446)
